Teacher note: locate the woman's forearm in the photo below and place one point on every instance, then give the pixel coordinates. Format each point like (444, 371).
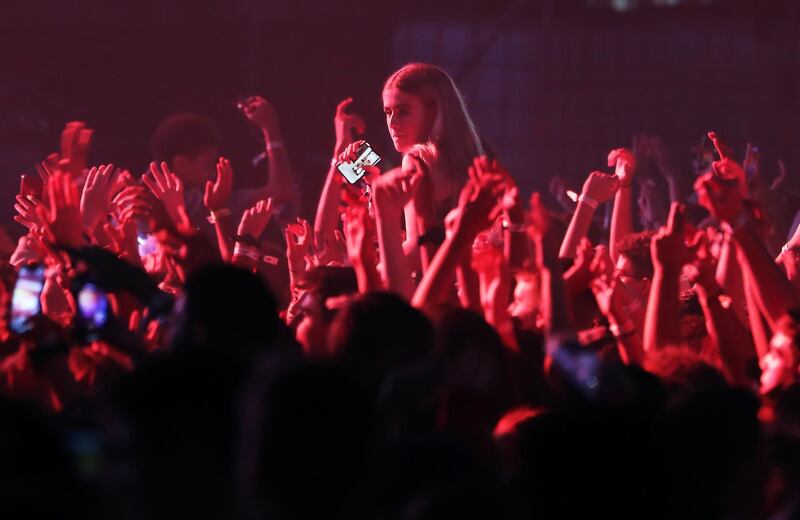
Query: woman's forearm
(397, 273)
(621, 220)
(578, 228)
(326, 221)
(438, 280)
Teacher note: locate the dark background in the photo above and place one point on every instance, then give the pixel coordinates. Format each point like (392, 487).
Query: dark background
(552, 84)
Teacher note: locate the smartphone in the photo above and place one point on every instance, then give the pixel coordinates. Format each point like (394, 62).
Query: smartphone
(148, 244)
(93, 308)
(581, 367)
(26, 302)
(354, 171)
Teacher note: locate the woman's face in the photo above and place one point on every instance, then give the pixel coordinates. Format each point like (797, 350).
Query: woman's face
(408, 119)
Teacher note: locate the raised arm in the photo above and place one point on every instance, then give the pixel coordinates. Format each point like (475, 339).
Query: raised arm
(359, 233)
(326, 221)
(597, 189)
(622, 215)
(392, 191)
(478, 208)
(168, 189)
(216, 201)
(247, 249)
(262, 114)
(669, 254)
(733, 340)
(619, 306)
(299, 237)
(721, 194)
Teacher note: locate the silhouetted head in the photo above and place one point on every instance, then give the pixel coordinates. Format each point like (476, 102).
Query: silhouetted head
(230, 308)
(377, 333)
(189, 143)
(315, 429)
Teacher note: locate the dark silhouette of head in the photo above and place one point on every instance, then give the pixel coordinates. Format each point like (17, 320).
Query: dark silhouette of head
(378, 333)
(229, 308)
(189, 143)
(316, 429)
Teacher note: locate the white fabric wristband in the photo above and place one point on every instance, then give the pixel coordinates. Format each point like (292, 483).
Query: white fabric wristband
(245, 250)
(217, 215)
(588, 201)
(275, 145)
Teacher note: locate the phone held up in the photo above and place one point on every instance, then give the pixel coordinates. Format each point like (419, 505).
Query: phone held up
(25, 301)
(93, 310)
(354, 171)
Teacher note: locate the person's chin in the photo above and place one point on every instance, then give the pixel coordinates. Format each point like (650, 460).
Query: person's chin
(401, 145)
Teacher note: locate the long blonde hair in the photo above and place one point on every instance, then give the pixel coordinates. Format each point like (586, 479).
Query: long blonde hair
(453, 141)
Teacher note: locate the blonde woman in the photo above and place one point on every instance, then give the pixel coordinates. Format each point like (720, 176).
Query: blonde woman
(428, 122)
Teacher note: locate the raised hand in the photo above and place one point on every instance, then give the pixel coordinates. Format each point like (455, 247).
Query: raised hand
(27, 214)
(477, 205)
(62, 221)
(217, 193)
(348, 152)
(298, 243)
(168, 188)
(395, 189)
(133, 202)
(721, 194)
(262, 114)
(359, 234)
(124, 239)
(95, 199)
(121, 180)
(600, 187)
(347, 125)
(255, 219)
(668, 248)
(75, 140)
(624, 164)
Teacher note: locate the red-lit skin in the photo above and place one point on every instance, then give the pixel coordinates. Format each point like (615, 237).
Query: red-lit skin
(408, 119)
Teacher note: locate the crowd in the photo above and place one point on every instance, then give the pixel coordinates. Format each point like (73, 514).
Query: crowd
(431, 344)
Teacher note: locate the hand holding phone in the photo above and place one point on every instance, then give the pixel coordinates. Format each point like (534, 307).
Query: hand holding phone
(25, 301)
(353, 162)
(93, 309)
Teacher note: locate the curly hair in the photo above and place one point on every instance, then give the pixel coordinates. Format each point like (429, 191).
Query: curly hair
(636, 247)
